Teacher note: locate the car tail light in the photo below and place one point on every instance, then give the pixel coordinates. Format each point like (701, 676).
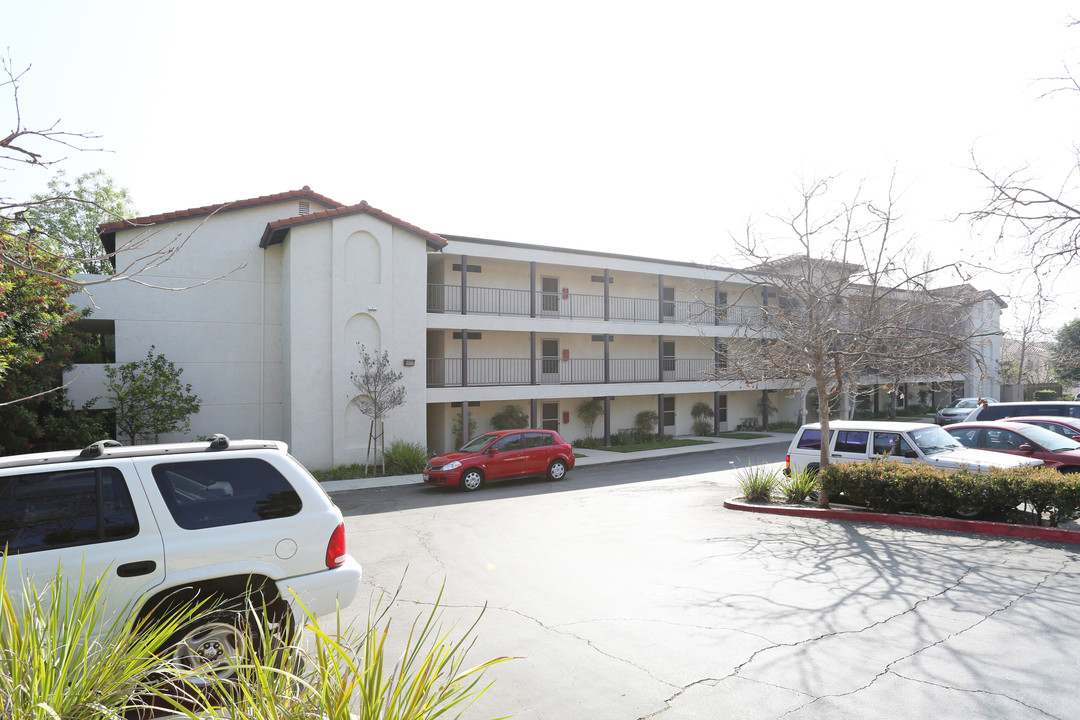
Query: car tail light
(335, 549)
(787, 462)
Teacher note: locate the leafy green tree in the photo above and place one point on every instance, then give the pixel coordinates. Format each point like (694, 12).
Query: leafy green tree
(1066, 358)
(33, 307)
(149, 398)
(67, 217)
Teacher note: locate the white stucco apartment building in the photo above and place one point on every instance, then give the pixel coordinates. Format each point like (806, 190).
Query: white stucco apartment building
(265, 302)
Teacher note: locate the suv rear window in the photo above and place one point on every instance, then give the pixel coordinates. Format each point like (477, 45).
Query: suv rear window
(213, 493)
(46, 511)
(851, 441)
(810, 440)
(1006, 410)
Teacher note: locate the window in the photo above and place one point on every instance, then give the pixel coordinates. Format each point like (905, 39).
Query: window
(810, 440)
(549, 357)
(853, 441)
(721, 413)
(720, 358)
(549, 299)
(534, 440)
(46, 511)
(997, 439)
(669, 411)
(214, 493)
(509, 442)
(893, 444)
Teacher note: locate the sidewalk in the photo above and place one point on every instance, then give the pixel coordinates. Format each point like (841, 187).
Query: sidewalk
(589, 457)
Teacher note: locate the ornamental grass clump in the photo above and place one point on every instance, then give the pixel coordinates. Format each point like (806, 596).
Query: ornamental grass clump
(799, 485)
(757, 483)
(405, 458)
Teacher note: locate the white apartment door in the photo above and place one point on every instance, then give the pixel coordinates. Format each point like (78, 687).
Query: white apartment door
(549, 361)
(549, 296)
(549, 416)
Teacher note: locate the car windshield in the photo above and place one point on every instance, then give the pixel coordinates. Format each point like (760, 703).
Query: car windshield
(965, 403)
(477, 443)
(933, 440)
(1049, 439)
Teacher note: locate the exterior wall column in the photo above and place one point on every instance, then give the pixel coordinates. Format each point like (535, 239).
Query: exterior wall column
(534, 409)
(660, 416)
(464, 284)
(660, 358)
(716, 302)
(765, 410)
(607, 358)
(532, 289)
(607, 295)
(464, 357)
(716, 412)
(607, 421)
(532, 357)
(660, 298)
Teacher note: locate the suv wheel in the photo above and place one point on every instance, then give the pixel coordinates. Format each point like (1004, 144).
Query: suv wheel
(472, 479)
(557, 470)
(213, 647)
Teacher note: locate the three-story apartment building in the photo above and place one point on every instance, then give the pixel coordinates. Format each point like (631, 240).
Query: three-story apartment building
(266, 303)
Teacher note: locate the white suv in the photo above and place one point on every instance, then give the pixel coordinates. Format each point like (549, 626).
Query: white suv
(905, 442)
(229, 521)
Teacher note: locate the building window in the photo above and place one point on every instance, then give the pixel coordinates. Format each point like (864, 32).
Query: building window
(471, 335)
(468, 268)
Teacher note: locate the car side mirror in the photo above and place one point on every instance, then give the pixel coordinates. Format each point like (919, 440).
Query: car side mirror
(1025, 448)
(493, 450)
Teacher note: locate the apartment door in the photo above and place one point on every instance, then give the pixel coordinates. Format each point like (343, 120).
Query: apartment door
(549, 361)
(549, 416)
(549, 295)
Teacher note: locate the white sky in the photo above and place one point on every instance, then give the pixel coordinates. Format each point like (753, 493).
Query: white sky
(654, 129)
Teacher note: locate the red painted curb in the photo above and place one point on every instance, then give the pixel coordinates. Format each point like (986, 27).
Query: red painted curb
(982, 527)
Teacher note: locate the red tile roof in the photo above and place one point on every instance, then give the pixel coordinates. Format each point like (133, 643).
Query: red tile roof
(305, 193)
(276, 230)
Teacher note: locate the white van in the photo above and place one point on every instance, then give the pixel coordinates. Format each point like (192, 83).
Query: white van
(857, 441)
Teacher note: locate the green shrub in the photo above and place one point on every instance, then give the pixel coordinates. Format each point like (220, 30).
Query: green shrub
(511, 417)
(888, 486)
(624, 437)
(757, 483)
(588, 413)
(645, 423)
(406, 458)
(1045, 395)
(455, 427)
(799, 485)
(783, 426)
(589, 443)
(703, 427)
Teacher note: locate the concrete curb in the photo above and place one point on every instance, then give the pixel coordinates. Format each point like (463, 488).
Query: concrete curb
(980, 527)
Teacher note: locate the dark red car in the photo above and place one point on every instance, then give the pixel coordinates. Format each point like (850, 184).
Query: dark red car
(1067, 426)
(1017, 438)
(502, 455)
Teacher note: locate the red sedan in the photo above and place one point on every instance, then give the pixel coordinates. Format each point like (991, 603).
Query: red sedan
(500, 455)
(1017, 438)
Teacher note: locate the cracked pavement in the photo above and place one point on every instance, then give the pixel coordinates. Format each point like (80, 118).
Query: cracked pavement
(629, 592)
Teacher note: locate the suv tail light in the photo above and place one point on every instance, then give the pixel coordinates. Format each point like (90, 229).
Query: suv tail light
(787, 461)
(335, 549)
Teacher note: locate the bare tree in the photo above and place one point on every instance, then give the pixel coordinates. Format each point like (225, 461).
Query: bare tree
(379, 394)
(23, 241)
(853, 305)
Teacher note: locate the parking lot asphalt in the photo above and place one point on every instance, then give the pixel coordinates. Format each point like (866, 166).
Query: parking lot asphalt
(629, 592)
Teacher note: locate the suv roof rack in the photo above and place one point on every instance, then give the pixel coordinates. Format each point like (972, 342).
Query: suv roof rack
(111, 448)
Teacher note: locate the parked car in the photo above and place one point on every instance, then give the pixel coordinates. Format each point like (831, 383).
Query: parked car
(958, 410)
(1000, 411)
(859, 441)
(238, 522)
(502, 455)
(1022, 440)
(1067, 426)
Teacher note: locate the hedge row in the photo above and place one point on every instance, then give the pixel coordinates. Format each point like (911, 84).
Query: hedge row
(886, 486)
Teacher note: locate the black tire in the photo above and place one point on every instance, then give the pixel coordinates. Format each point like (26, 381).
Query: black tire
(557, 470)
(471, 480)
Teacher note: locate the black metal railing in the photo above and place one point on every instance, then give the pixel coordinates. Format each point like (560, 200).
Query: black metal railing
(523, 303)
(448, 372)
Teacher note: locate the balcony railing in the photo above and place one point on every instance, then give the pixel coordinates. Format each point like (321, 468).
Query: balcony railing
(447, 372)
(520, 303)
